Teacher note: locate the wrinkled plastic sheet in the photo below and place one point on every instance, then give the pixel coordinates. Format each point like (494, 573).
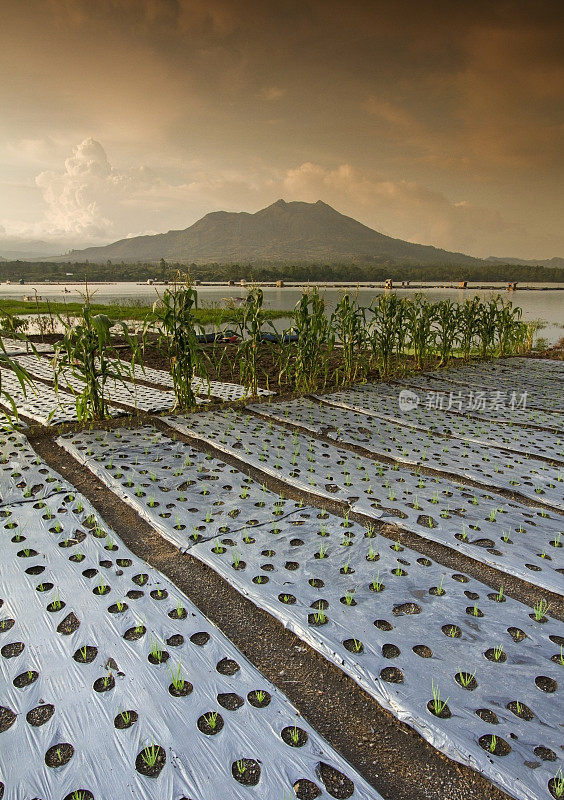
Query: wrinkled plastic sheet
(40, 402)
(16, 347)
(412, 641)
(544, 386)
(91, 571)
(380, 404)
(505, 534)
(487, 465)
(185, 494)
(223, 390)
(483, 403)
(23, 476)
(144, 398)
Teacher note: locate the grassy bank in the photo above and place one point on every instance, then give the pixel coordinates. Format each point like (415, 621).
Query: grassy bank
(133, 311)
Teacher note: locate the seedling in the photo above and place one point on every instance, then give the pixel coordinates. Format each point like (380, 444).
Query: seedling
(466, 678)
(150, 755)
(177, 680)
(241, 767)
(438, 704)
(493, 743)
(540, 609)
(211, 719)
(295, 735)
(498, 652)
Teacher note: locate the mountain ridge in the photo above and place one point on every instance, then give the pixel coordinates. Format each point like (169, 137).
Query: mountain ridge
(283, 231)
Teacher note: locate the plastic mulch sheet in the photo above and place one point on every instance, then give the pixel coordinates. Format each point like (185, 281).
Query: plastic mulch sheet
(184, 493)
(485, 464)
(399, 624)
(144, 398)
(505, 534)
(414, 635)
(367, 400)
(109, 673)
(40, 402)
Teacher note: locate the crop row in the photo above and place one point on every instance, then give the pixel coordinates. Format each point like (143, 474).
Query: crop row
(492, 466)
(115, 685)
(506, 534)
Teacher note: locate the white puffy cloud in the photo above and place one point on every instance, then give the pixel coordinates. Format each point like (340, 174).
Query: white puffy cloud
(404, 209)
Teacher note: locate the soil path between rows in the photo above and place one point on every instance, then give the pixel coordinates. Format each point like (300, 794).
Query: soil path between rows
(396, 760)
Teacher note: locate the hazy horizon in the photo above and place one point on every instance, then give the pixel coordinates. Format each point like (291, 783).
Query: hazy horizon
(440, 124)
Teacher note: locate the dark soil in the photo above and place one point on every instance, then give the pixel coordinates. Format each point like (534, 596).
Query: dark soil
(444, 713)
(487, 716)
(104, 684)
(337, 784)
(306, 789)
(69, 625)
(227, 666)
(546, 684)
(200, 639)
(502, 748)
(294, 736)
(207, 728)
(254, 700)
(7, 718)
(186, 689)
(150, 771)
(423, 651)
(40, 714)
(132, 634)
(246, 771)
(85, 654)
(84, 794)
(12, 650)
(121, 724)
(392, 675)
(520, 710)
(59, 755)
(25, 679)
(230, 701)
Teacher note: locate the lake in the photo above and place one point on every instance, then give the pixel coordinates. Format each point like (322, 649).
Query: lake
(545, 301)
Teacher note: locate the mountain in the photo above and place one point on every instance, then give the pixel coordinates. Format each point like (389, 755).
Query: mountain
(282, 232)
(552, 263)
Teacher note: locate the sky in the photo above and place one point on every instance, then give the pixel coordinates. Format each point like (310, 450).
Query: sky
(435, 122)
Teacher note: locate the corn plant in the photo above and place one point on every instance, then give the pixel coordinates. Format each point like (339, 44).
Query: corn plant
(348, 327)
(251, 325)
(311, 325)
(87, 355)
(177, 330)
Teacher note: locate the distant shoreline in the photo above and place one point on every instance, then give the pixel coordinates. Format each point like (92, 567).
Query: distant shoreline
(303, 284)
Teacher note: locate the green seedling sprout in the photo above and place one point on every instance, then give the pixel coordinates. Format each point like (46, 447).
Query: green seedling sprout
(558, 784)
(177, 679)
(498, 652)
(438, 704)
(466, 678)
(241, 767)
(150, 755)
(540, 608)
(211, 719)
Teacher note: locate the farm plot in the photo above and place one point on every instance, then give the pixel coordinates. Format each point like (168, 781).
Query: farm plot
(15, 347)
(546, 372)
(492, 434)
(513, 407)
(505, 534)
(475, 672)
(221, 389)
(492, 467)
(439, 408)
(115, 685)
(542, 391)
(184, 493)
(134, 395)
(23, 476)
(41, 402)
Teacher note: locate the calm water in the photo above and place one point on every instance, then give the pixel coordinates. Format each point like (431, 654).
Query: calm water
(547, 305)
